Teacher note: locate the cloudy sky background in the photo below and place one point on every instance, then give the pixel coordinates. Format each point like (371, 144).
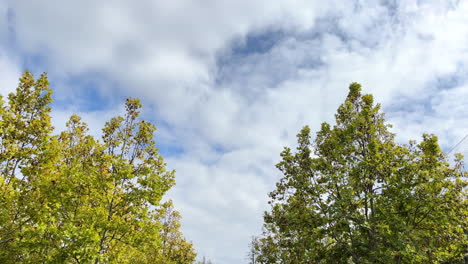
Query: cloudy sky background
(229, 83)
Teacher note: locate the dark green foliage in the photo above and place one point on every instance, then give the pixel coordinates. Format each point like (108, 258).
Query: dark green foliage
(353, 195)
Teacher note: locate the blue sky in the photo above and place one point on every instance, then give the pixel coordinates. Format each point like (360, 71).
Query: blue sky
(229, 83)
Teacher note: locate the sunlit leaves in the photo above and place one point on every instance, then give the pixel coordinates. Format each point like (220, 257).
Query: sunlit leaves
(70, 198)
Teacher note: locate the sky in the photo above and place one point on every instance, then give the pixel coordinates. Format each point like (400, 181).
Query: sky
(230, 83)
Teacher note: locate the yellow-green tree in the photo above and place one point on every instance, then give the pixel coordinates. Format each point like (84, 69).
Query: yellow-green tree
(70, 198)
(353, 195)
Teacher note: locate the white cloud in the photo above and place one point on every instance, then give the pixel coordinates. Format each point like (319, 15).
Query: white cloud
(9, 74)
(95, 120)
(233, 112)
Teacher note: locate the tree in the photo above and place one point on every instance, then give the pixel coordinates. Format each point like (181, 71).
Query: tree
(24, 130)
(253, 252)
(205, 261)
(353, 195)
(70, 198)
(174, 246)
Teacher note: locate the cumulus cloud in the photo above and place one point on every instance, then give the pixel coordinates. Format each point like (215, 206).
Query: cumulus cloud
(9, 74)
(231, 82)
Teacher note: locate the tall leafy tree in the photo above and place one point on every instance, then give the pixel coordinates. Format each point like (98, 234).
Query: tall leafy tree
(70, 198)
(353, 195)
(24, 131)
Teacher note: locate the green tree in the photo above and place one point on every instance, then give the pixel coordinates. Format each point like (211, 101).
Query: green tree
(70, 198)
(24, 131)
(205, 261)
(253, 252)
(174, 246)
(353, 195)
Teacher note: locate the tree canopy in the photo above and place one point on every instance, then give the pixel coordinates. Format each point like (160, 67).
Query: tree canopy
(350, 195)
(353, 195)
(71, 198)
